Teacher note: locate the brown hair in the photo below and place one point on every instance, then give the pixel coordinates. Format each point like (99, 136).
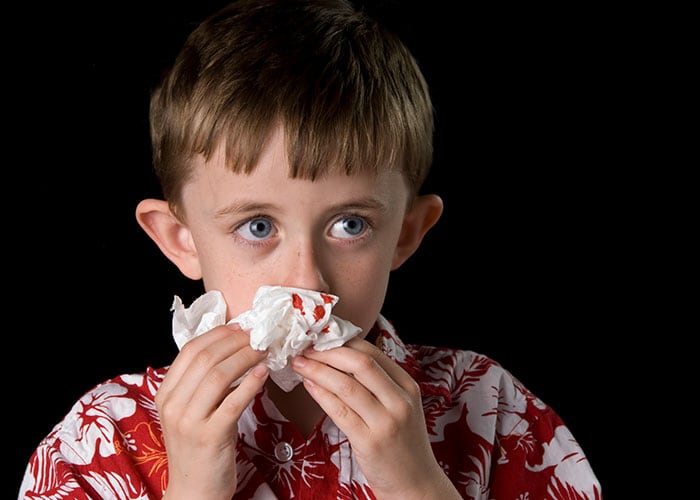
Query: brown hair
(347, 92)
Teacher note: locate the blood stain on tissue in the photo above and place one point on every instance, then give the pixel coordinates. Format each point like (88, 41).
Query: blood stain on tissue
(297, 303)
(319, 312)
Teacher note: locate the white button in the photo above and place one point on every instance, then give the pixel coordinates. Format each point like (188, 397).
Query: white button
(284, 451)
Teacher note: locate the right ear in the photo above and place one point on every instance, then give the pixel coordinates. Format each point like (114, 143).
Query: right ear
(172, 236)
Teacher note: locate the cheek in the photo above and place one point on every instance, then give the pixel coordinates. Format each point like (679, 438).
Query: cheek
(362, 288)
(238, 299)
(232, 276)
(238, 282)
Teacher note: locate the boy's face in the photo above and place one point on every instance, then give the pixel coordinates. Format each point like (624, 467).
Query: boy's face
(337, 234)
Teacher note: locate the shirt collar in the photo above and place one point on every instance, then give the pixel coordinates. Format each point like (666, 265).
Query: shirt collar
(383, 335)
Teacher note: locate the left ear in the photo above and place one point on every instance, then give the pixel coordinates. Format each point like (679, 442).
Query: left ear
(420, 217)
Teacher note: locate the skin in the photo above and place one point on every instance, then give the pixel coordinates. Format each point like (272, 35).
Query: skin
(338, 234)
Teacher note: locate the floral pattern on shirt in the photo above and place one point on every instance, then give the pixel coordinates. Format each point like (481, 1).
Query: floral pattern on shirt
(493, 438)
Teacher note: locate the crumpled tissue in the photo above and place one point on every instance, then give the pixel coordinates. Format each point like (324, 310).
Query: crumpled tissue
(284, 320)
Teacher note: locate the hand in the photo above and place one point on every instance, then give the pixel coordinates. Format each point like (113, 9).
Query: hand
(199, 411)
(378, 407)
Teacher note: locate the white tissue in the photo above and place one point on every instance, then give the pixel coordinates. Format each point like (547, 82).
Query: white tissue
(205, 313)
(284, 320)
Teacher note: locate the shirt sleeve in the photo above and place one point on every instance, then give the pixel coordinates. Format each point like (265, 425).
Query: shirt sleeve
(544, 461)
(109, 445)
(493, 437)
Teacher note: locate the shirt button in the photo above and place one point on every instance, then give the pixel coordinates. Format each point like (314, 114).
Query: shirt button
(284, 451)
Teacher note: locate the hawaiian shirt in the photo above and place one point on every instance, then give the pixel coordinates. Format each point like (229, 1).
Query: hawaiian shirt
(493, 438)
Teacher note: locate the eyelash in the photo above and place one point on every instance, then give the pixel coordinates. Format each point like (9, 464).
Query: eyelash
(368, 230)
(368, 221)
(253, 243)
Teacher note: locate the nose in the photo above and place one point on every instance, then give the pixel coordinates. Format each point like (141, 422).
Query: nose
(305, 268)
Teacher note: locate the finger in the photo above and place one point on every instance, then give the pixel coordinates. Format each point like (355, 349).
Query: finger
(209, 359)
(343, 414)
(237, 401)
(395, 371)
(190, 350)
(373, 370)
(204, 392)
(346, 400)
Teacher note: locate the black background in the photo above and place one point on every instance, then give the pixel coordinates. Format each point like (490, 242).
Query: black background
(527, 265)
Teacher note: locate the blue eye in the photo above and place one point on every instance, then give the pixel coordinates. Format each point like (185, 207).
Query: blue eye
(255, 229)
(348, 227)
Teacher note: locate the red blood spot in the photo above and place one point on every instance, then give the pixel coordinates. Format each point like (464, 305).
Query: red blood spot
(327, 298)
(319, 312)
(297, 303)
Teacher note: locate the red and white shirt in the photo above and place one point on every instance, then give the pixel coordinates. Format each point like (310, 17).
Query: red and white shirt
(493, 438)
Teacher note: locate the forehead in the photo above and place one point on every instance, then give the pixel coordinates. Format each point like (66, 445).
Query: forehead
(214, 184)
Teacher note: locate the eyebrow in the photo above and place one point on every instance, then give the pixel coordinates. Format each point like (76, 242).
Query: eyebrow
(239, 207)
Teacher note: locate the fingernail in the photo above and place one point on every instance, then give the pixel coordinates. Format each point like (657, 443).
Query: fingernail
(298, 361)
(260, 371)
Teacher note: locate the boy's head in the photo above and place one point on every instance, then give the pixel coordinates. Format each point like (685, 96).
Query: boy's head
(291, 138)
(347, 93)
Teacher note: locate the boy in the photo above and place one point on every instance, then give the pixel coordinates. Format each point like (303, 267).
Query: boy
(291, 139)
